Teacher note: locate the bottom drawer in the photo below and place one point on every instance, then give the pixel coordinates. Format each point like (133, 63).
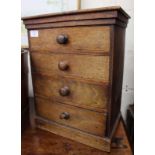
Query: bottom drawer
(82, 119)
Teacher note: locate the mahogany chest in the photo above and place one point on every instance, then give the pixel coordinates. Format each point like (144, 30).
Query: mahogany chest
(77, 69)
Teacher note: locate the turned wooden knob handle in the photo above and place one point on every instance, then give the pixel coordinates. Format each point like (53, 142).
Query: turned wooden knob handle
(64, 115)
(63, 65)
(64, 91)
(62, 39)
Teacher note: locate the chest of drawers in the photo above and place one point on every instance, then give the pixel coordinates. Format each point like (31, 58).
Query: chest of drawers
(77, 69)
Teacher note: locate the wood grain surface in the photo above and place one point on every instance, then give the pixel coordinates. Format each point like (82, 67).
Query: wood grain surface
(107, 12)
(117, 66)
(39, 142)
(80, 66)
(99, 16)
(78, 38)
(90, 96)
(77, 66)
(71, 133)
(81, 119)
(24, 89)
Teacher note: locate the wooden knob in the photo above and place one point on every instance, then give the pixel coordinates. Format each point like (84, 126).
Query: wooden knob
(64, 91)
(62, 39)
(63, 65)
(64, 115)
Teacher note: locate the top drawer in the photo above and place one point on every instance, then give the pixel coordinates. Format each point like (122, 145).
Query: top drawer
(72, 39)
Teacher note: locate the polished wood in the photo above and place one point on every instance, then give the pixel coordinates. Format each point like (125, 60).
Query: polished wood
(73, 23)
(78, 38)
(104, 10)
(81, 119)
(104, 16)
(116, 78)
(24, 77)
(24, 89)
(71, 133)
(87, 67)
(77, 68)
(32, 112)
(81, 94)
(39, 142)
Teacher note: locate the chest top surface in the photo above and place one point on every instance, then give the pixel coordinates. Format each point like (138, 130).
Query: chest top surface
(107, 15)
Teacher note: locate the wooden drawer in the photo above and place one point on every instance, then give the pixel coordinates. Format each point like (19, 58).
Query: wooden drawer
(81, 94)
(78, 66)
(92, 39)
(85, 120)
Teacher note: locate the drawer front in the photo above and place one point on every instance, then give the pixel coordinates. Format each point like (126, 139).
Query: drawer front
(85, 120)
(90, 96)
(73, 39)
(78, 66)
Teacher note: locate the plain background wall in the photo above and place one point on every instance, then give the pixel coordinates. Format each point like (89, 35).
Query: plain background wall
(33, 7)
